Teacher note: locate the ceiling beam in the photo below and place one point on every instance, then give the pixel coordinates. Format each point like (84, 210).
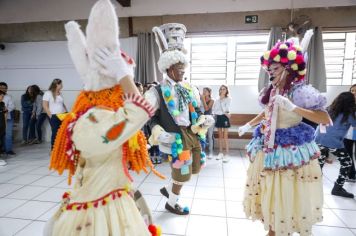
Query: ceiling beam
(124, 3)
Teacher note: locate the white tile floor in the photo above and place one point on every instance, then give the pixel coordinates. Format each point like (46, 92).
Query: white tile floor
(29, 195)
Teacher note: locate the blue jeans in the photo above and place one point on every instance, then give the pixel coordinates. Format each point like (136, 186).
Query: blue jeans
(38, 124)
(55, 124)
(8, 136)
(28, 128)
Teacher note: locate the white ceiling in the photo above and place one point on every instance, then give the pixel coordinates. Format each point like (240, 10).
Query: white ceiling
(16, 11)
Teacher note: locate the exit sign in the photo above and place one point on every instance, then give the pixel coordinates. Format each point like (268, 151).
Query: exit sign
(251, 19)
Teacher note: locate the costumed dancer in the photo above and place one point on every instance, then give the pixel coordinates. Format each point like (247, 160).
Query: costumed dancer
(284, 186)
(177, 124)
(100, 138)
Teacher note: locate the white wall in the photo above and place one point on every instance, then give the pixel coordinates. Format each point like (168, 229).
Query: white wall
(24, 64)
(19, 11)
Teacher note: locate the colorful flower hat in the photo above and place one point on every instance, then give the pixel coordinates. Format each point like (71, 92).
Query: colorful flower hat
(290, 56)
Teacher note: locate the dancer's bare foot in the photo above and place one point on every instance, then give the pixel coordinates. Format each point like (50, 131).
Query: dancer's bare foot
(271, 233)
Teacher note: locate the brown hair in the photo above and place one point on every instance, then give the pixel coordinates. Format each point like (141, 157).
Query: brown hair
(208, 89)
(227, 90)
(53, 86)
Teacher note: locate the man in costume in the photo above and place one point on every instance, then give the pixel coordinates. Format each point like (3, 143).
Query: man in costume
(178, 125)
(100, 137)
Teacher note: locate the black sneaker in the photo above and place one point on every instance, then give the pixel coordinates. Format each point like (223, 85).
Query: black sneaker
(11, 153)
(177, 209)
(341, 192)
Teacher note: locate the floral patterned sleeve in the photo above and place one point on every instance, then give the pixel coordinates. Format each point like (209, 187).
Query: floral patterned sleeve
(306, 96)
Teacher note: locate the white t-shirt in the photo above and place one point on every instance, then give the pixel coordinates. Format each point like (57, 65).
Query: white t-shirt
(221, 106)
(55, 106)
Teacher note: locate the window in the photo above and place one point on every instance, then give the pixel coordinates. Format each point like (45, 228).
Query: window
(231, 60)
(340, 53)
(249, 49)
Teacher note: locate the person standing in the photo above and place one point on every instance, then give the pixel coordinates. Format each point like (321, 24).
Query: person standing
(342, 112)
(39, 113)
(178, 122)
(27, 100)
(350, 144)
(221, 109)
(284, 188)
(53, 104)
(10, 106)
(208, 103)
(3, 112)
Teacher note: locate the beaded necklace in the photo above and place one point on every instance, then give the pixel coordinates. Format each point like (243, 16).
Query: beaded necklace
(171, 105)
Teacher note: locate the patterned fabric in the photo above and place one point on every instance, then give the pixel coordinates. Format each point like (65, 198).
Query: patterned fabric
(281, 157)
(342, 156)
(272, 113)
(296, 135)
(183, 96)
(306, 96)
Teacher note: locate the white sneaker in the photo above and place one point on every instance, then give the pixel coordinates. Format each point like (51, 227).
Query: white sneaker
(226, 159)
(3, 163)
(210, 157)
(220, 156)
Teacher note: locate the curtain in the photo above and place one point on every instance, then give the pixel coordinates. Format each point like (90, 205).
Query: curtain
(316, 72)
(146, 59)
(274, 36)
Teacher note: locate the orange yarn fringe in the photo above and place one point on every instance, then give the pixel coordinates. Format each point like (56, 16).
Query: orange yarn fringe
(113, 98)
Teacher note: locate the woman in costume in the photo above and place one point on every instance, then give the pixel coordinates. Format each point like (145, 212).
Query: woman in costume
(100, 138)
(284, 185)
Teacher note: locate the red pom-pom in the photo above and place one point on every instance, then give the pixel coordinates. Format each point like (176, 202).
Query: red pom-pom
(152, 229)
(299, 59)
(273, 53)
(85, 206)
(284, 60)
(65, 195)
(103, 202)
(301, 77)
(96, 204)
